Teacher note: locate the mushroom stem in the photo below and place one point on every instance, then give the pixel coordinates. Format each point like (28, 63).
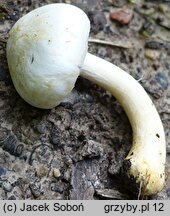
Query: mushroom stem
(146, 159)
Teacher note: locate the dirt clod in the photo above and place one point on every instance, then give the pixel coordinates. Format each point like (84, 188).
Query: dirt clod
(122, 15)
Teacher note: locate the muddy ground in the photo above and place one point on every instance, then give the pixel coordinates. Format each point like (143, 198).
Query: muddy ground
(76, 150)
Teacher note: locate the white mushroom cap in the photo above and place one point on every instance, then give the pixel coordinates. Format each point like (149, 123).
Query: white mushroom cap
(45, 51)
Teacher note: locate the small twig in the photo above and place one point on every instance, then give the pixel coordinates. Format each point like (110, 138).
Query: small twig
(91, 40)
(140, 190)
(109, 43)
(141, 78)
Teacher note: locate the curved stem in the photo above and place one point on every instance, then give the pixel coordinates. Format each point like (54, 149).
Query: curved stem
(147, 155)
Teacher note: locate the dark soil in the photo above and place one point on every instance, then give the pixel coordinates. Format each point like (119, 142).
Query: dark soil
(76, 150)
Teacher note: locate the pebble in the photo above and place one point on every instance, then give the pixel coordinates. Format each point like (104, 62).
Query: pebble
(12, 197)
(19, 149)
(42, 127)
(98, 20)
(148, 28)
(36, 191)
(55, 138)
(154, 44)
(42, 170)
(14, 16)
(56, 173)
(13, 178)
(11, 144)
(152, 54)
(162, 79)
(102, 52)
(2, 171)
(3, 135)
(2, 193)
(122, 15)
(56, 188)
(7, 186)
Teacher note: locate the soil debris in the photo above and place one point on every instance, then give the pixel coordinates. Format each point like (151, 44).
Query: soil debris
(122, 15)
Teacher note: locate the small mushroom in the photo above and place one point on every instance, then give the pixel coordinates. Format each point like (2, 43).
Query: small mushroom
(47, 51)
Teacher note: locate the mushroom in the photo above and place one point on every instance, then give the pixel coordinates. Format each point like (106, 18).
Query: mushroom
(47, 51)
